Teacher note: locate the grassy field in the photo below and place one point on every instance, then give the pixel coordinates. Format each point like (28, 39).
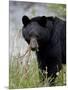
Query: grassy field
(27, 75)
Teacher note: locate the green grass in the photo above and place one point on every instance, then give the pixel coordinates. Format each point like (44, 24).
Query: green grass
(27, 76)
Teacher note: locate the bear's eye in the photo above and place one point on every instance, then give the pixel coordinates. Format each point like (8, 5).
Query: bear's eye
(37, 37)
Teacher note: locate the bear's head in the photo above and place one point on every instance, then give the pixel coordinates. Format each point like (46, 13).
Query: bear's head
(36, 31)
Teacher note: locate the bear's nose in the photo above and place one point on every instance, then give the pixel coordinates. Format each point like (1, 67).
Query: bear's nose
(33, 44)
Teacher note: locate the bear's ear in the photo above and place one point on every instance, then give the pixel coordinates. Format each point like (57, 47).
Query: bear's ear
(42, 21)
(25, 20)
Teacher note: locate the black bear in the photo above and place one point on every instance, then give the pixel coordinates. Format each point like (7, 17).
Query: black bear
(46, 36)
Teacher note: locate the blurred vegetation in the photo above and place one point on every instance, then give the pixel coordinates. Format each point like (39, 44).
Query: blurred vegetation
(27, 76)
(60, 9)
(33, 11)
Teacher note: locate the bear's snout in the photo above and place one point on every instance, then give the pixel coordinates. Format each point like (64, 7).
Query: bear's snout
(33, 44)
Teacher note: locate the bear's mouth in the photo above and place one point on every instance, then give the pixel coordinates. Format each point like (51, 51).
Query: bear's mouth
(34, 44)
